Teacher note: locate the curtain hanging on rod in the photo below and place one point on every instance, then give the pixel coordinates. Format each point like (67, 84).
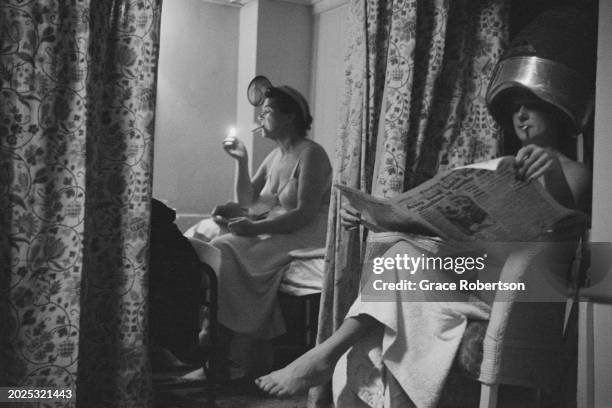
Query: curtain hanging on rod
(77, 103)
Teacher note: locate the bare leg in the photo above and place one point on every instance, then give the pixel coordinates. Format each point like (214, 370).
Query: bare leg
(316, 366)
(224, 338)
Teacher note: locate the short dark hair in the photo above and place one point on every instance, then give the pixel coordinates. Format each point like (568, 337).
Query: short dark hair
(286, 104)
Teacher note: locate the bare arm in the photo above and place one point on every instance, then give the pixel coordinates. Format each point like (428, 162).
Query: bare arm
(567, 181)
(579, 181)
(246, 190)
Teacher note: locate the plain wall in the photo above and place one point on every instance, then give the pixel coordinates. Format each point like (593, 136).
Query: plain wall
(247, 69)
(602, 155)
(330, 39)
(196, 103)
(602, 212)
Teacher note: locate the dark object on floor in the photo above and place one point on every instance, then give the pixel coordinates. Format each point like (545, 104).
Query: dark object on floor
(174, 286)
(180, 286)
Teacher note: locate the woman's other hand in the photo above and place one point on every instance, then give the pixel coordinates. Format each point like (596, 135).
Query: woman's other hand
(533, 161)
(228, 210)
(221, 214)
(235, 148)
(350, 218)
(243, 226)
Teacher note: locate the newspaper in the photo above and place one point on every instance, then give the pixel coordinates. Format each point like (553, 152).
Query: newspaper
(483, 201)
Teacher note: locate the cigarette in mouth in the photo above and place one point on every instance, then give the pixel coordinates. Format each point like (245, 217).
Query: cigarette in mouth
(258, 128)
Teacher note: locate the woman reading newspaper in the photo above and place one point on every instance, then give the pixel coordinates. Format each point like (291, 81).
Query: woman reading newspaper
(399, 352)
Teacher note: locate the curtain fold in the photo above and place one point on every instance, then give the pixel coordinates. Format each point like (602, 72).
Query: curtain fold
(77, 104)
(416, 73)
(354, 159)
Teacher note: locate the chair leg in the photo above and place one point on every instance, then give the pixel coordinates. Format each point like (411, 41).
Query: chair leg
(539, 397)
(214, 323)
(210, 366)
(488, 395)
(311, 317)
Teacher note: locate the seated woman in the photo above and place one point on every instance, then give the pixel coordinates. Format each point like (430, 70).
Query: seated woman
(292, 187)
(413, 340)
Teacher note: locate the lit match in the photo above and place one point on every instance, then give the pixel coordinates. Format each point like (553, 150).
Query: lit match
(230, 139)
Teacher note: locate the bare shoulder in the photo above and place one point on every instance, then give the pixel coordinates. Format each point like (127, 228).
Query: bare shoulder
(576, 173)
(316, 153)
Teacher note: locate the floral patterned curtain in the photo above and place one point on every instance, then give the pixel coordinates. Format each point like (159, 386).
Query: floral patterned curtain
(77, 102)
(415, 84)
(354, 151)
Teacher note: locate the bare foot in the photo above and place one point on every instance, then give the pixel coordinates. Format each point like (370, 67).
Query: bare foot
(310, 369)
(195, 375)
(162, 359)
